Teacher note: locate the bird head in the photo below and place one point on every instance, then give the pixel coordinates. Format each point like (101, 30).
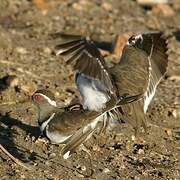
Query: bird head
(44, 99)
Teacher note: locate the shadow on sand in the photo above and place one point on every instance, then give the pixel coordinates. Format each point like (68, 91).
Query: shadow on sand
(7, 135)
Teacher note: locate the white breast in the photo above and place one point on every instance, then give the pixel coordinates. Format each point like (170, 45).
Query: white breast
(45, 123)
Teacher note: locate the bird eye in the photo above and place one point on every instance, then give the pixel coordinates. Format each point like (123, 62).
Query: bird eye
(132, 40)
(37, 97)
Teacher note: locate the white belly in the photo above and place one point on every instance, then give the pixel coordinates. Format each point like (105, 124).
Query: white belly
(56, 137)
(92, 91)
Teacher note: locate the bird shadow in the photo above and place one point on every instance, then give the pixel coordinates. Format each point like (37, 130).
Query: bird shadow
(7, 135)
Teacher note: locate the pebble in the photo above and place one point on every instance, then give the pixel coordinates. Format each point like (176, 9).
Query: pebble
(28, 89)
(47, 50)
(141, 151)
(133, 137)
(119, 43)
(164, 9)
(83, 168)
(106, 5)
(96, 148)
(52, 155)
(47, 163)
(176, 113)
(11, 80)
(151, 2)
(14, 82)
(174, 78)
(106, 170)
(21, 50)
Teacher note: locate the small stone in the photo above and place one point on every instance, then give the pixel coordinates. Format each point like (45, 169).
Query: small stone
(83, 168)
(41, 4)
(176, 5)
(47, 50)
(119, 43)
(106, 170)
(106, 5)
(23, 176)
(35, 164)
(169, 132)
(77, 6)
(47, 163)
(56, 178)
(164, 9)
(52, 155)
(174, 78)
(42, 140)
(176, 113)
(141, 151)
(11, 80)
(33, 138)
(151, 2)
(27, 89)
(133, 137)
(96, 148)
(56, 18)
(21, 50)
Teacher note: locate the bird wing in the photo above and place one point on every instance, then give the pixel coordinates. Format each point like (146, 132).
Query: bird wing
(94, 124)
(86, 59)
(76, 140)
(141, 67)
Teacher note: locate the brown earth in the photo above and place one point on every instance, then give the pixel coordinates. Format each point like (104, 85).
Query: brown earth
(25, 51)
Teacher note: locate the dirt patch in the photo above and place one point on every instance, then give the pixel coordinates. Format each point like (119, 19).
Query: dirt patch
(25, 51)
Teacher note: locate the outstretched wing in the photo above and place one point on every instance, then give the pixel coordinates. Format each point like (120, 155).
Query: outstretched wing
(86, 59)
(141, 67)
(158, 62)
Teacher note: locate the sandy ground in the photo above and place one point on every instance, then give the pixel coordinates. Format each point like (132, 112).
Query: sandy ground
(26, 51)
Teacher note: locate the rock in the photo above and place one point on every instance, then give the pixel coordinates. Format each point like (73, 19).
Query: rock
(81, 5)
(176, 5)
(106, 170)
(133, 137)
(96, 148)
(106, 6)
(174, 78)
(27, 89)
(164, 9)
(176, 113)
(41, 4)
(21, 50)
(47, 50)
(151, 2)
(168, 132)
(9, 81)
(52, 155)
(141, 151)
(12, 81)
(119, 43)
(47, 163)
(83, 168)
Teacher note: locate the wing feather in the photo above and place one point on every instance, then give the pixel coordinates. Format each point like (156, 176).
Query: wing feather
(85, 57)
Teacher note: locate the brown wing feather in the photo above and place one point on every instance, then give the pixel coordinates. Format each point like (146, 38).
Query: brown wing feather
(142, 65)
(85, 57)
